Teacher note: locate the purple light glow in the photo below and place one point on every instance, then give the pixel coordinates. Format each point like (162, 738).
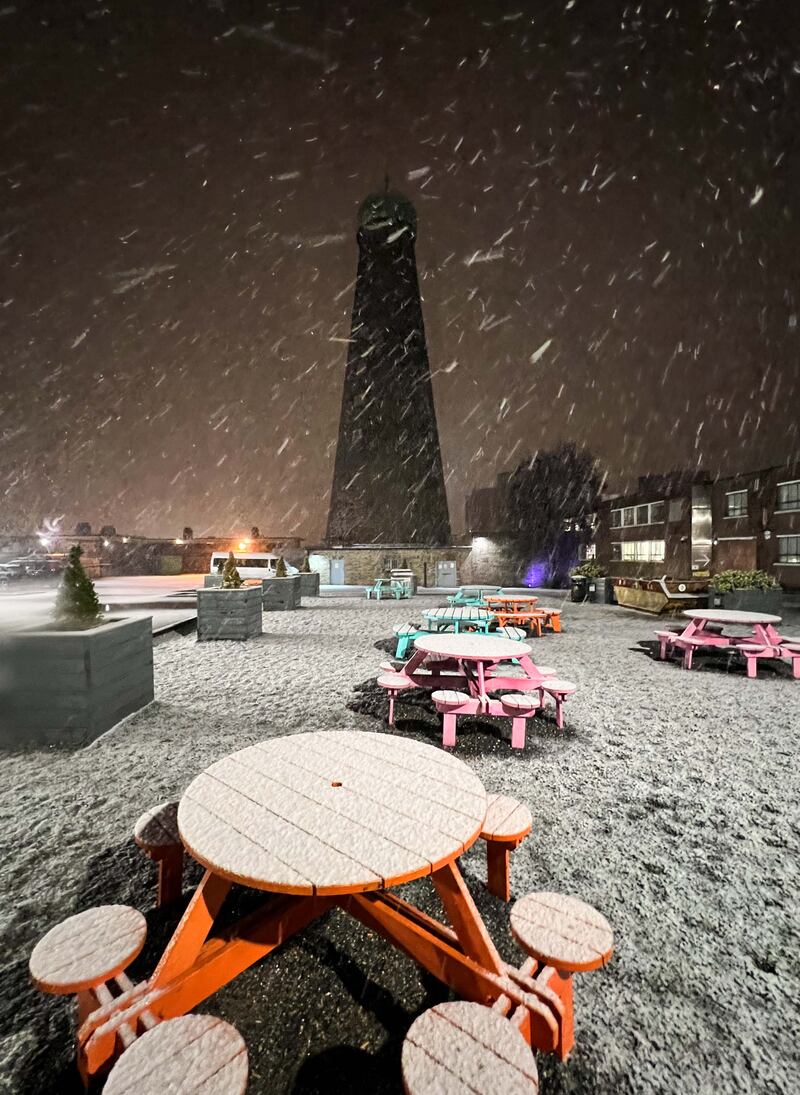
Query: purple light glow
(535, 575)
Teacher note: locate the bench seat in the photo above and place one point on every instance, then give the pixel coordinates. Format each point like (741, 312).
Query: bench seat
(87, 949)
(394, 683)
(156, 833)
(463, 1048)
(505, 826)
(193, 1053)
(558, 690)
(563, 935)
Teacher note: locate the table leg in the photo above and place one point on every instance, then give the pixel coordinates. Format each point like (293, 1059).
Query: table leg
(465, 918)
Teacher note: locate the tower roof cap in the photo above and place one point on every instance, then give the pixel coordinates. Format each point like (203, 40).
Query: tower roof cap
(385, 210)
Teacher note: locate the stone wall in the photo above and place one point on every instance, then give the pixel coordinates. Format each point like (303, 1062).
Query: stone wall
(483, 562)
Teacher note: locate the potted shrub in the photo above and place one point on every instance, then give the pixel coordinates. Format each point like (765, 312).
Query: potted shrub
(68, 682)
(309, 580)
(281, 592)
(232, 610)
(746, 591)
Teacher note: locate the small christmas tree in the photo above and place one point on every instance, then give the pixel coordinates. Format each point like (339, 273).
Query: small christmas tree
(231, 579)
(306, 567)
(280, 569)
(77, 601)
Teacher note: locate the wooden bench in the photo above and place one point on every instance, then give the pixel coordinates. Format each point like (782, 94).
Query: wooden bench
(509, 632)
(83, 953)
(505, 826)
(405, 633)
(192, 1053)
(520, 706)
(559, 691)
(688, 646)
(463, 1048)
(394, 683)
(156, 833)
(567, 936)
(665, 639)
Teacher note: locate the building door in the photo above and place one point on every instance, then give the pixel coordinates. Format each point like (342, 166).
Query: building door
(337, 572)
(446, 573)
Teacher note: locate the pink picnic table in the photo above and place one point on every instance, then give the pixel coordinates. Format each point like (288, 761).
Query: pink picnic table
(761, 624)
(445, 661)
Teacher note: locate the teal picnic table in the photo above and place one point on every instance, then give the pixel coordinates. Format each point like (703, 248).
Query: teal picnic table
(387, 587)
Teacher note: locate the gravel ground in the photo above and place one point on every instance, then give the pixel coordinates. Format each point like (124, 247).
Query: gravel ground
(669, 803)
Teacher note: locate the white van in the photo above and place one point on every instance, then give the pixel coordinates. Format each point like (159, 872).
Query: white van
(250, 564)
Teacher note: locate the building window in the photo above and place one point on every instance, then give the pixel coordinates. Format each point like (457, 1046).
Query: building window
(616, 518)
(656, 513)
(629, 516)
(639, 551)
(789, 549)
(789, 495)
(642, 515)
(736, 503)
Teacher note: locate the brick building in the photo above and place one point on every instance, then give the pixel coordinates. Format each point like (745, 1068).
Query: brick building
(688, 524)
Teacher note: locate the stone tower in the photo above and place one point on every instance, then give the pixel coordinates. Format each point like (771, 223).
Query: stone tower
(388, 483)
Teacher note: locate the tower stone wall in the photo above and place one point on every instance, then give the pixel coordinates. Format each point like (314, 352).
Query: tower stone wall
(388, 483)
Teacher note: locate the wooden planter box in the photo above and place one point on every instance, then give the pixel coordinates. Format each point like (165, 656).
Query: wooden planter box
(769, 601)
(228, 613)
(309, 584)
(68, 687)
(280, 594)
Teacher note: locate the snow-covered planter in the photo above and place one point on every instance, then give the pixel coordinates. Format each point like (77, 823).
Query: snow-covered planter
(769, 601)
(228, 613)
(309, 583)
(280, 594)
(65, 687)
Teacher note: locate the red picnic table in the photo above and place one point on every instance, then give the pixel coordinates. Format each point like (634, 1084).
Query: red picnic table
(318, 820)
(510, 602)
(761, 641)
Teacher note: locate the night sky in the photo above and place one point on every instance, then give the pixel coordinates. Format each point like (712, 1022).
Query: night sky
(608, 202)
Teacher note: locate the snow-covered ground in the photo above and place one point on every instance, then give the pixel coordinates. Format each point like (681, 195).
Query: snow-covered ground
(669, 803)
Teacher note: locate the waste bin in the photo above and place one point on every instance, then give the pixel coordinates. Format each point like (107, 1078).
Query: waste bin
(580, 588)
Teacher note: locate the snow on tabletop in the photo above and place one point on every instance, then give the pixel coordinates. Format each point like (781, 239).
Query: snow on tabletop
(730, 616)
(189, 1054)
(313, 835)
(450, 696)
(562, 931)
(87, 948)
(459, 1046)
(558, 684)
(520, 702)
(478, 647)
(505, 817)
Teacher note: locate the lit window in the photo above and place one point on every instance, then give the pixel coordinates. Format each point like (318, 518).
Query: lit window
(789, 495)
(639, 551)
(736, 503)
(789, 549)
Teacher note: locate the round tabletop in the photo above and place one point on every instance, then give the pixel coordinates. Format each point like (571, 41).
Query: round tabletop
(730, 616)
(510, 599)
(331, 812)
(455, 613)
(472, 648)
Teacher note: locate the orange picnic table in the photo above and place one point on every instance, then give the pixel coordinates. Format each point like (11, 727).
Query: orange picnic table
(510, 602)
(318, 820)
(534, 618)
